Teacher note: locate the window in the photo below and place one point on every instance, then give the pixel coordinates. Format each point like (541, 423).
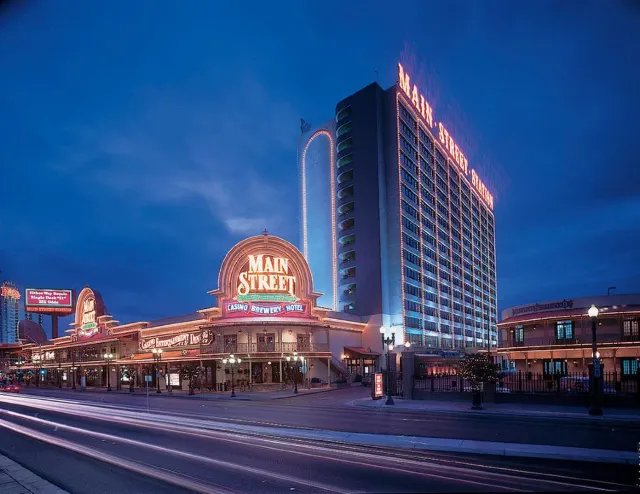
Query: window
(518, 334)
(564, 330)
(630, 330)
(555, 367)
(629, 367)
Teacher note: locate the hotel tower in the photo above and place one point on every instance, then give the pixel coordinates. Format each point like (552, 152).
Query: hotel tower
(396, 224)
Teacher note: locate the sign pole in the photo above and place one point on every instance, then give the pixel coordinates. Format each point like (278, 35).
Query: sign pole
(146, 380)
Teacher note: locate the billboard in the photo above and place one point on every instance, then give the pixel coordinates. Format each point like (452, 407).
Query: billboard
(48, 301)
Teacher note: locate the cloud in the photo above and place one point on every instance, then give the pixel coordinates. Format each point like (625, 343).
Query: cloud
(220, 151)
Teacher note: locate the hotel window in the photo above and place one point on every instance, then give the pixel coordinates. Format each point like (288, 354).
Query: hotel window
(564, 330)
(555, 367)
(629, 367)
(518, 334)
(630, 330)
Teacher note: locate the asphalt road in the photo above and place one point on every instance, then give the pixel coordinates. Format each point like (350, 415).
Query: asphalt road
(328, 411)
(87, 448)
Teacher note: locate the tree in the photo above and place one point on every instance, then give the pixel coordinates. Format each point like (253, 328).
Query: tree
(478, 368)
(130, 373)
(191, 372)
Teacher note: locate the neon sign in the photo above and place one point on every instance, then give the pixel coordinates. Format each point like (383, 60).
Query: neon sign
(421, 104)
(10, 292)
(89, 326)
(239, 309)
(266, 279)
(417, 98)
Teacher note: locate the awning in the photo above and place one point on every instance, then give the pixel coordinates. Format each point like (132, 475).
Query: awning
(360, 351)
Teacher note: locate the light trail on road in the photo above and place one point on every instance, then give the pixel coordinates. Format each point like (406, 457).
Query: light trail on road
(404, 464)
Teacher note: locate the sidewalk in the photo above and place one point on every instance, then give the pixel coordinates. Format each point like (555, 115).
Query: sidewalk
(207, 395)
(15, 479)
(517, 409)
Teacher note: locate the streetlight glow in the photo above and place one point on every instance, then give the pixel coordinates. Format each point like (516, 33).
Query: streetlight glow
(593, 311)
(407, 344)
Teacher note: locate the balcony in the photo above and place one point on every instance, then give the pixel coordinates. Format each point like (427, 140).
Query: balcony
(259, 348)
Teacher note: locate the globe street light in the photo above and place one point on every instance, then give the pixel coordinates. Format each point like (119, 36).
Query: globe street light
(595, 408)
(296, 361)
(388, 344)
(232, 361)
(157, 357)
(108, 357)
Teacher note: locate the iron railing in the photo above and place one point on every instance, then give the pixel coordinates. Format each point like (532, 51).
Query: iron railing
(252, 348)
(571, 382)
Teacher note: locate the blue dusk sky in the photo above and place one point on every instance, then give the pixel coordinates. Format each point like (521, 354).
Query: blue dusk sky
(139, 141)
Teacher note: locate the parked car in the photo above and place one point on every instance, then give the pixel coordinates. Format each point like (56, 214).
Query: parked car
(581, 385)
(10, 388)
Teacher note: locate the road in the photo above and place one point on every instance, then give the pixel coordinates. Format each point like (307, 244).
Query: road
(328, 411)
(92, 447)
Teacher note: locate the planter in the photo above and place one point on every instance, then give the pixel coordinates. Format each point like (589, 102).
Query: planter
(477, 400)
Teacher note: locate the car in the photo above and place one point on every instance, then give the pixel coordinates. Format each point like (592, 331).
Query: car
(581, 385)
(10, 388)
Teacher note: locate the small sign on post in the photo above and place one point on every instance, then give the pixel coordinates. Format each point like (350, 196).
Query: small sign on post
(376, 390)
(596, 368)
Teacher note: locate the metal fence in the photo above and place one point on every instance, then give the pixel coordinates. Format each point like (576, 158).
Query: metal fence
(441, 383)
(530, 382)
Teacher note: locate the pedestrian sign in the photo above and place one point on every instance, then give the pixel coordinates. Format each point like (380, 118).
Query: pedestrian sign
(148, 378)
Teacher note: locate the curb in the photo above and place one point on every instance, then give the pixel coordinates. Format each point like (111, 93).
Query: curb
(510, 413)
(25, 479)
(447, 445)
(198, 397)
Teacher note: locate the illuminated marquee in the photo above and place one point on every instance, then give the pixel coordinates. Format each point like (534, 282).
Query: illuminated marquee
(266, 279)
(421, 104)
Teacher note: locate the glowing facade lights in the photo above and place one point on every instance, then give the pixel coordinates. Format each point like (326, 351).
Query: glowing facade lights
(332, 181)
(445, 138)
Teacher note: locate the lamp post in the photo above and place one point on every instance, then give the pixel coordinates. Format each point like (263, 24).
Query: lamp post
(232, 361)
(19, 363)
(296, 361)
(595, 408)
(107, 358)
(73, 369)
(157, 358)
(387, 343)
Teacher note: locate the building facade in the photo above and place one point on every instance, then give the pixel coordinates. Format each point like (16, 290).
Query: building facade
(413, 230)
(556, 337)
(9, 312)
(265, 310)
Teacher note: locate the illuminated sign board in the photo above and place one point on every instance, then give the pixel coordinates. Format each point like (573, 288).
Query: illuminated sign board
(10, 292)
(378, 392)
(89, 324)
(266, 275)
(447, 141)
(266, 286)
(48, 301)
(176, 341)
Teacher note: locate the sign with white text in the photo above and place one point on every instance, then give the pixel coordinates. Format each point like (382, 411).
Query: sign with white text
(377, 386)
(49, 301)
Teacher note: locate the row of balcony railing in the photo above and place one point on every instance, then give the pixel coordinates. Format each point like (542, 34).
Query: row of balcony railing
(570, 342)
(276, 347)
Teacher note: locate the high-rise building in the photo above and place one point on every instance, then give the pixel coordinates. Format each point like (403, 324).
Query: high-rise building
(407, 222)
(9, 312)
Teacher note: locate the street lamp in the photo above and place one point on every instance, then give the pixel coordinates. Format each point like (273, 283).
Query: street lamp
(595, 408)
(19, 363)
(232, 361)
(296, 361)
(157, 357)
(388, 342)
(107, 358)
